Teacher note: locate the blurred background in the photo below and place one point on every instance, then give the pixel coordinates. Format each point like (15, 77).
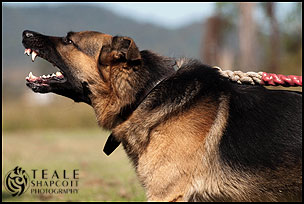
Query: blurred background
(50, 131)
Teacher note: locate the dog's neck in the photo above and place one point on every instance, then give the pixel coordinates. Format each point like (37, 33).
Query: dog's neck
(162, 71)
(156, 68)
(112, 111)
(112, 143)
(129, 109)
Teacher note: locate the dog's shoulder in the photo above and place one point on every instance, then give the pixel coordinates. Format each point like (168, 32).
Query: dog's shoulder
(258, 121)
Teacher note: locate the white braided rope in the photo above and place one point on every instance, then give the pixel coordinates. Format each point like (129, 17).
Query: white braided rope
(241, 77)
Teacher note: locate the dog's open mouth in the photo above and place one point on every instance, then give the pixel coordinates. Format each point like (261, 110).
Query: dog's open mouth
(63, 81)
(35, 82)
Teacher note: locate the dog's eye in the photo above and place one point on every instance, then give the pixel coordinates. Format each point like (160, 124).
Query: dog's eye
(67, 41)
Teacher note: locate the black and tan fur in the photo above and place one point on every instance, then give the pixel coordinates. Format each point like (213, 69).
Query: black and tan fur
(195, 136)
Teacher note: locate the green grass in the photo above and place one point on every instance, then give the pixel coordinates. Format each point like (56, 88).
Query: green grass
(64, 135)
(26, 114)
(101, 177)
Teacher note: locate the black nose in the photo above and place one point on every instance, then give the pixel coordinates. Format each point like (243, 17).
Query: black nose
(28, 34)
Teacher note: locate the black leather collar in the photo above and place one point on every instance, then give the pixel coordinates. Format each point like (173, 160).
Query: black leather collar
(112, 143)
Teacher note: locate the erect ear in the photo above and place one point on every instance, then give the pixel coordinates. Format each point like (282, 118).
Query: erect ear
(122, 49)
(125, 48)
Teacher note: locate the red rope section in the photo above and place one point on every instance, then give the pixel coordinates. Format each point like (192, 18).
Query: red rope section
(279, 79)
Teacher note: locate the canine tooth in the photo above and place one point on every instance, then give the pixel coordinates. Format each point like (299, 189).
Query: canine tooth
(31, 76)
(43, 76)
(34, 55)
(53, 75)
(48, 76)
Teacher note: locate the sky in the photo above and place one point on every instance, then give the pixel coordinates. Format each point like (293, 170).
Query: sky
(169, 15)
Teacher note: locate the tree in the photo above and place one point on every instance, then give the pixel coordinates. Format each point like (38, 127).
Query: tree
(274, 37)
(211, 41)
(247, 37)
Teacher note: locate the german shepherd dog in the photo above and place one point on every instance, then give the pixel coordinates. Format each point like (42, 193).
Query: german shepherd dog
(191, 134)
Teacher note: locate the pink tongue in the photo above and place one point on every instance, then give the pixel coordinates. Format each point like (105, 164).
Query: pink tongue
(32, 79)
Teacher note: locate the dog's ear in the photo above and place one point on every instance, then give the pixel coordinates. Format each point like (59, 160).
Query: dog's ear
(127, 48)
(122, 49)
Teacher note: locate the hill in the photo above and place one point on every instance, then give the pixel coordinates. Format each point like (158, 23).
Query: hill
(58, 20)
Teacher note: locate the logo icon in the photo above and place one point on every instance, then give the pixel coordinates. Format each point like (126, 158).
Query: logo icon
(17, 181)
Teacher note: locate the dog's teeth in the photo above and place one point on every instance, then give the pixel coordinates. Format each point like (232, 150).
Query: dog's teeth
(53, 75)
(31, 76)
(48, 76)
(58, 74)
(34, 55)
(27, 51)
(43, 76)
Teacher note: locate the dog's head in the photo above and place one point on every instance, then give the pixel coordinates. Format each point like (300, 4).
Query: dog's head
(86, 60)
(104, 71)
